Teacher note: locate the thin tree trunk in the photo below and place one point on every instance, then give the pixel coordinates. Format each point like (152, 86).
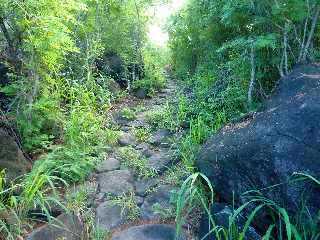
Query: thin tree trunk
(6, 34)
(253, 76)
(285, 49)
(303, 40)
(311, 33)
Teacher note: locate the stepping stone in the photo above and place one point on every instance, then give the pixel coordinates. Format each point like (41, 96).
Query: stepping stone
(141, 93)
(160, 161)
(120, 120)
(108, 216)
(108, 165)
(162, 197)
(145, 149)
(143, 186)
(127, 139)
(159, 137)
(65, 227)
(149, 232)
(138, 123)
(116, 182)
(139, 200)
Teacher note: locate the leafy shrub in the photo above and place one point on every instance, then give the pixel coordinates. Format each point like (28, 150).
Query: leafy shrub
(40, 123)
(154, 80)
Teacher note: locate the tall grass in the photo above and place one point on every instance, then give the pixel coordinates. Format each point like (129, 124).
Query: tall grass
(283, 227)
(38, 190)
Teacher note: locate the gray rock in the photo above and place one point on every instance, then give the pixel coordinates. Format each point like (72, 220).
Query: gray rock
(221, 214)
(149, 232)
(11, 157)
(139, 122)
(141, 93)
(65, 227)
(265, 150)
(160, 161)
(100, 197)
(159, 137)
(136, 124)
(108, 216)
(142, 186)
(146, 149)
(109, 165)
(116, 182)
(161, 197)
(113, 65)
(125, 129)
(127, 139)
(139, 200)
(120, 120)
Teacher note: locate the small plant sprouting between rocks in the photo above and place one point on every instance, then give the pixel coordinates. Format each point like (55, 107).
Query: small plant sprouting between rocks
(128, 114)
(77, 199)
(142, 134)
(128, 204)
(135, 161)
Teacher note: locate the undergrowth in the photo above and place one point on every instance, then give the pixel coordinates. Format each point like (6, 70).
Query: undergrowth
(135, 161)
(197, 191)
(128, 204)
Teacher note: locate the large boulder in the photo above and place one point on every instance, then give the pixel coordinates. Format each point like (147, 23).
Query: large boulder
(11, 157)
(113, 65)
(4, 81)
(266, 149)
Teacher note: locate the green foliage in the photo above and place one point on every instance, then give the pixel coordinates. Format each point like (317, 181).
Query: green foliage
(172, 116)
(213, 43)
(38, 190)
(128, 114)
(135, 161)
(58, 96)
(154, 80)
(77, 201)
(192, 194)
(197, 190)
(142, 134)
(128, 204)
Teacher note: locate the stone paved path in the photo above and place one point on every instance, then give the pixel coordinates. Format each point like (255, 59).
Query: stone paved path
(128, 193)
(115, 180)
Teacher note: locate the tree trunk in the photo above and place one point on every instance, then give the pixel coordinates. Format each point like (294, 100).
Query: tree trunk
(306, 48)
(253, 76)
(12, 51)
(285, 49)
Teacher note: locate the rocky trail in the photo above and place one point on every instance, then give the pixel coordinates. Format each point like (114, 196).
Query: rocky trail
(128, 193)
(115, 179)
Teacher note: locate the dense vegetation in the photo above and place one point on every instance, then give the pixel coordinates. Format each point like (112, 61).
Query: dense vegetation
(226, 55)
(229, 55)
(60, 87)
(233, 52)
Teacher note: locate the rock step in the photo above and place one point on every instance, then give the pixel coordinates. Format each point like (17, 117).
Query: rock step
(116, 182)
(64, 227)
(149, 232)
